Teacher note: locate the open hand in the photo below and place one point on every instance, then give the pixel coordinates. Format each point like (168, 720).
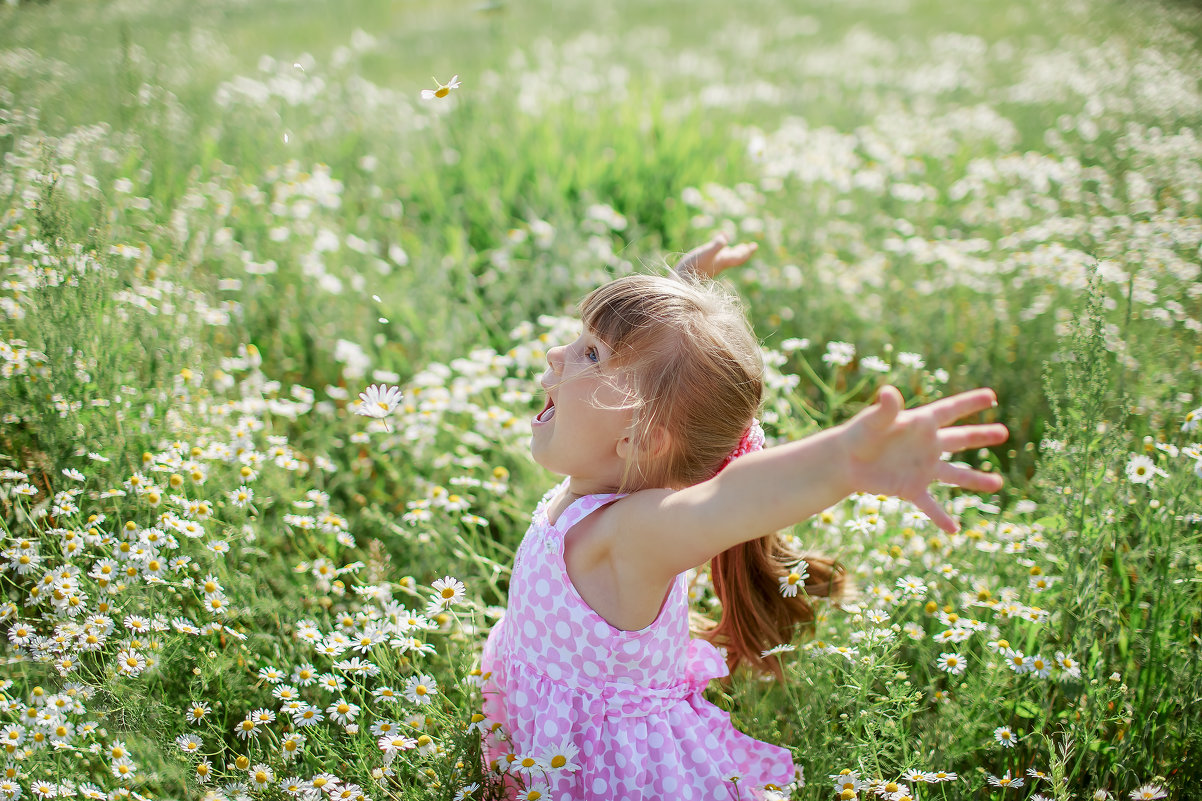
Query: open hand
(896, 451)
(715, 256)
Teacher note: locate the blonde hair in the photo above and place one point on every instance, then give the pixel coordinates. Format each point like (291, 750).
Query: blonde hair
(694, 374)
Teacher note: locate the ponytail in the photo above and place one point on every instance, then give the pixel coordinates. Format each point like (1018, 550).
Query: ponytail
(755, 615)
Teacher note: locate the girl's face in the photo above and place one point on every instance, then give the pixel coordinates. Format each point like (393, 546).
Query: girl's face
(585, 429)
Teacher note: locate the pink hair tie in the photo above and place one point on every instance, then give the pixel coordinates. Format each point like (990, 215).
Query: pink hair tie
(751, 441)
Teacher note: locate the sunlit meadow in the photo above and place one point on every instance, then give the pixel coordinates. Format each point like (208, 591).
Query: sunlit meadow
(226, 574)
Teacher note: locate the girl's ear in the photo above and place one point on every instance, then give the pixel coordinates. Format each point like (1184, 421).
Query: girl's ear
(654, 445)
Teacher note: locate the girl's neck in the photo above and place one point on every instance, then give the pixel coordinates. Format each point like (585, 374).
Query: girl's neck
(571, 493)
(579, 487)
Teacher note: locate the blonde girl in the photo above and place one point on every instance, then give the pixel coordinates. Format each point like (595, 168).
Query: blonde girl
(592, 673)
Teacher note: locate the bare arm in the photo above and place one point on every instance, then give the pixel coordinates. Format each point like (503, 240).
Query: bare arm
(884, 450)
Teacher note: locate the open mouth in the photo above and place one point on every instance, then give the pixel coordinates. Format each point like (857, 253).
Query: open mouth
(547, 413)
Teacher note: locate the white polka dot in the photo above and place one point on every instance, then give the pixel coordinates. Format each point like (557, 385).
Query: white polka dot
(599, 785)
(563, 630)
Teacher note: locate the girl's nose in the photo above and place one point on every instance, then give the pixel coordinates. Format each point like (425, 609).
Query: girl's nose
(555, 358)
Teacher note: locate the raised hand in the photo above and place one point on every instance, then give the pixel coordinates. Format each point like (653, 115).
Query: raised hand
(896, 451)
(715, 256)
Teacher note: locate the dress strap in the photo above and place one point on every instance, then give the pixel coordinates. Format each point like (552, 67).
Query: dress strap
(578, 509)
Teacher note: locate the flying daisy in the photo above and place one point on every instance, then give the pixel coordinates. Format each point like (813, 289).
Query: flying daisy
(443, 89)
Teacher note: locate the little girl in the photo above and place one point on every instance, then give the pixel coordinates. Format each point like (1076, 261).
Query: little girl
(592, 673)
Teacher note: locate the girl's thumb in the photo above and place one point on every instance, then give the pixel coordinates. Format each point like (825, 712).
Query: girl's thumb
(885, 410)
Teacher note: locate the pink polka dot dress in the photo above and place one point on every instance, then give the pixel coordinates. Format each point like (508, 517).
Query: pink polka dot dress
(625, 707)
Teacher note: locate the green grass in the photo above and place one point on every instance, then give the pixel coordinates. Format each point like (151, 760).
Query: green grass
(934, 178)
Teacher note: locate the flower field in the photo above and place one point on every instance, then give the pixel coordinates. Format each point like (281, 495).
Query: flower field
(225, 574)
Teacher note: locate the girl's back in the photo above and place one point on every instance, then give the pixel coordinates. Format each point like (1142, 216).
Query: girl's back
(622, 710)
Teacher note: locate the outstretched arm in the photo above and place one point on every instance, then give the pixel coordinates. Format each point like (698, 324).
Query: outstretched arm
(710, 259)
(885, 449)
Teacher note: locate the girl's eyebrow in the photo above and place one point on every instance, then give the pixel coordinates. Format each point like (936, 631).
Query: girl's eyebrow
(597, 339)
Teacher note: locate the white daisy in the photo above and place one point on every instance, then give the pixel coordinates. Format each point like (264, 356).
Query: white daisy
(449, 590)
(421, 689)
(378, 401)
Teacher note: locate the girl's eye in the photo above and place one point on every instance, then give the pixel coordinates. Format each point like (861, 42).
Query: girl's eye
(592, 355)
